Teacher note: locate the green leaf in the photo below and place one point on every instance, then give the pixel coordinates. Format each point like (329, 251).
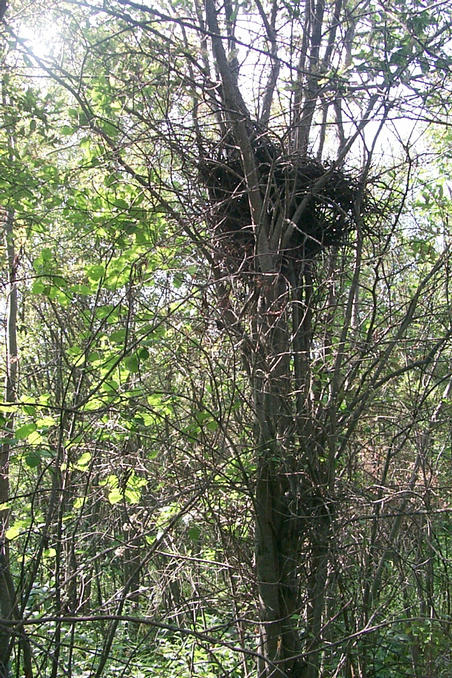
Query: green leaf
(37, 287)
(66, 130)
(132, 496)
(33, 459)
(83, 461)
(194, 533)
(46, 421)
(17, 529)
(131, 363)
(178, 280)
(25, 430)
(13, 532)
(29, 409)
(46, 254)
(35, 438)
(49, 553)
(111, 386)
(122, 204)
(95, 272)
(118, 336)
(106, 311)
(115, 496)
(83, 290)
(110, 481)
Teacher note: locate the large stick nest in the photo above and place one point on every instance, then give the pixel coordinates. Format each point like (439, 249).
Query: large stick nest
(329, 194)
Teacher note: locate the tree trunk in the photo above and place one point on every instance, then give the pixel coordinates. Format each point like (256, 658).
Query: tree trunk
(277, 522)
(6, 587)
(9, 608)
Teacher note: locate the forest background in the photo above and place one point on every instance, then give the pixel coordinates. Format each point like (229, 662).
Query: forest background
(226, 418)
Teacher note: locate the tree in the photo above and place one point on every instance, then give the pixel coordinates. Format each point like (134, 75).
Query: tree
(269, 160)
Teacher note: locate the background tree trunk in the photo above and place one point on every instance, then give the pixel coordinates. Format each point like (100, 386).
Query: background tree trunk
(9, 607)
(7, 593)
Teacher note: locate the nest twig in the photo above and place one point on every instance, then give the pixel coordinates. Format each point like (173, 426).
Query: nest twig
(286, 182)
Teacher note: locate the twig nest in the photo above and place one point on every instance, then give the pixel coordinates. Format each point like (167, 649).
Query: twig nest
(327, 197)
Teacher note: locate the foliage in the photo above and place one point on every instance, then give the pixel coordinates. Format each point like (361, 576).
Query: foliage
(189, 436)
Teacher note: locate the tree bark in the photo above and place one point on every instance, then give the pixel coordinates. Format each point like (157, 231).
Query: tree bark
(9, 607)
(7, 602)
(277, 523)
